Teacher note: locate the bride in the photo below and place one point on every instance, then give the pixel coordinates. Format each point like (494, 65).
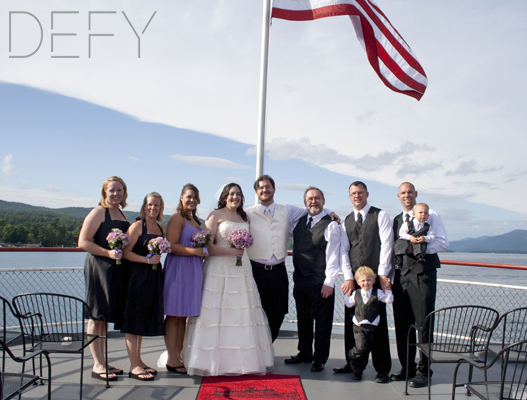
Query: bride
(231, 336)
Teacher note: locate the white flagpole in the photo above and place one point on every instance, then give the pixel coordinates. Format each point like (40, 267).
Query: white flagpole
(260, 147)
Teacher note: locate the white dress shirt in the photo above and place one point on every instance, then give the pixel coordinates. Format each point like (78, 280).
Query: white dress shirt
(332, 236)
(441, 240)
(385, 235)
(384, 296)
(294, 213)
(403, 232)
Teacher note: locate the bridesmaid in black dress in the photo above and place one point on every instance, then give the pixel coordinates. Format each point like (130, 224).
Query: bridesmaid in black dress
(143, 315)
(105, 280)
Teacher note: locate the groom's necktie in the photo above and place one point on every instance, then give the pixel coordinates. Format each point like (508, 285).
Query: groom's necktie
(267, 213)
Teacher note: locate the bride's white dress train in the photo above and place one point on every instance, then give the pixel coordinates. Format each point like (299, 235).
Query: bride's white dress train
(231, 336)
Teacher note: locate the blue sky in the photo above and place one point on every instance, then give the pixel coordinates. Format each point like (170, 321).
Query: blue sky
(187, 109)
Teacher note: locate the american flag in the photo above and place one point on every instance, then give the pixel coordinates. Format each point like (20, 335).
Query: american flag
(388, 53)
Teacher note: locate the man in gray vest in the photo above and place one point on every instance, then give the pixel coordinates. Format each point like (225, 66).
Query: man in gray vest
(316, 260)
(270, 225)
(366, 241)
(414, 288)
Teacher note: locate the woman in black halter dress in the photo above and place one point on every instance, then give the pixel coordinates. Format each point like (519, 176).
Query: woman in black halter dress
(143, 314)
(105, 280)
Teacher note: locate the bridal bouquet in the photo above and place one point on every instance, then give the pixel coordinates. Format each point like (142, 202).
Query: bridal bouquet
(117, 240)
(158, 245)
(240, 239)
(201, 239)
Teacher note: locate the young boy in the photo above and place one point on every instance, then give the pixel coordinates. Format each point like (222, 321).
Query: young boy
(418, 232)
(366, 301)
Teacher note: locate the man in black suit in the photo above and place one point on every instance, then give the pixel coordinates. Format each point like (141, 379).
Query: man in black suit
(414, 288)
(316, 253)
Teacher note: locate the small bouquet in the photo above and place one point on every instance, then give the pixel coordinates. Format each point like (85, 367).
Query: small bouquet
(240, 239)
(158, 245)
(202, 239)
(117, 240)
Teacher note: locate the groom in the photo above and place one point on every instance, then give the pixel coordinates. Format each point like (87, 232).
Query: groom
(269, 227)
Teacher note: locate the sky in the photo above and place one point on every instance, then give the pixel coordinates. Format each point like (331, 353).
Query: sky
(186, 110)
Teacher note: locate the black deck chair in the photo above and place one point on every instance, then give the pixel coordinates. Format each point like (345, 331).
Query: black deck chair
(453, 333)
(511, 328)
(513, 373)
(56, 323)
(8, 319)
(12, 384)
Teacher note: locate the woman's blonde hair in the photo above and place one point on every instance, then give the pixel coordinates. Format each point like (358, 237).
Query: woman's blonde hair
(104, 200)
(142, 213)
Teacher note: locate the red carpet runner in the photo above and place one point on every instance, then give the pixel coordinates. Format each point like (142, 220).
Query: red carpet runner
(251, 387)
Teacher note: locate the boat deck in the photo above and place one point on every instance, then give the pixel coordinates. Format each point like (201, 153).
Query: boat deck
(65, 382)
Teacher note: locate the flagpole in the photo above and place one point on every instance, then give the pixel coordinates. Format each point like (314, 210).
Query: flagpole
(260, 146)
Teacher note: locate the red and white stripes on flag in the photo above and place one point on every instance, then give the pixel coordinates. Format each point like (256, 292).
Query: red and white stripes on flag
(388, 53)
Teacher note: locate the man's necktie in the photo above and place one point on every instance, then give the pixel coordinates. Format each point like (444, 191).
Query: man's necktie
(410, 224)
(267, 213)
(359, 219)
(310, 223)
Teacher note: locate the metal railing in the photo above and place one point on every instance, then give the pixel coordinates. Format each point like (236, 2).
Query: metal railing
(70, 281)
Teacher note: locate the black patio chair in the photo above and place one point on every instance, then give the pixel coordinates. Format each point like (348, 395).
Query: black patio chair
(56, 323)
(454, 333)
(8, 317)
(12, 384)
(513, 373)
(511, 328)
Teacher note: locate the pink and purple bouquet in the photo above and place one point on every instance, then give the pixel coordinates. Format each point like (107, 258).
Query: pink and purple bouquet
(240, 239)
(117, 240)
(158, 245)
(201, 239)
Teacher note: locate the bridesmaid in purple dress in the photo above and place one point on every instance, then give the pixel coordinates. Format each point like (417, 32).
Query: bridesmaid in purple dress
(183, 275)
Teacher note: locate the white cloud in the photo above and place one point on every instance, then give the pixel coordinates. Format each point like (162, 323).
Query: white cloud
(26, 184)
(208, 161)
(7, 166)
(53, 188)
(296, 187)
(202, 63)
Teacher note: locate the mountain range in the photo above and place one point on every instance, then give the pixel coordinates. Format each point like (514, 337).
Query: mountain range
(511, 242)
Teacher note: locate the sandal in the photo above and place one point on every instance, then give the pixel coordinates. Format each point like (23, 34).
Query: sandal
(114, 370)
(175, 369)
(102, 376)
(150, 370)
(141, 377)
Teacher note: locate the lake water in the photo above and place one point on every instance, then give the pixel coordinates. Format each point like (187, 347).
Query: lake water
(453, 272)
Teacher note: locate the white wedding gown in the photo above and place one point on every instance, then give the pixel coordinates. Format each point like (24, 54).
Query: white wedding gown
(231, 336)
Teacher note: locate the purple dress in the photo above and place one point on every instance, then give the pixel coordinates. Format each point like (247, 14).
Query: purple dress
(183, 280)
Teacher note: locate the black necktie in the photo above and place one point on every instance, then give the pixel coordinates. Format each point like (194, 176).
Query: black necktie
(310, 222)
(359, 219)
(409, 224)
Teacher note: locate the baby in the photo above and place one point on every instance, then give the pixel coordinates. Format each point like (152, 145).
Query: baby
(418, 232)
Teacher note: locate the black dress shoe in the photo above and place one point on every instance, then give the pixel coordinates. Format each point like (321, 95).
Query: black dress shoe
(419, 381)
(357, 376)
(317, 367)
(381, 377)
(297, 360)
(401, 375)
(346, 369)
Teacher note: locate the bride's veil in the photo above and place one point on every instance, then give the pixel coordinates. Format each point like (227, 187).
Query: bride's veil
(215, 200)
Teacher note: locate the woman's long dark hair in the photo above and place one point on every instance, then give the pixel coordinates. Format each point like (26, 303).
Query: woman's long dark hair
(180, 210)
(222, 202)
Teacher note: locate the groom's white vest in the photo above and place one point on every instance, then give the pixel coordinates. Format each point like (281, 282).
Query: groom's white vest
(270, 237)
